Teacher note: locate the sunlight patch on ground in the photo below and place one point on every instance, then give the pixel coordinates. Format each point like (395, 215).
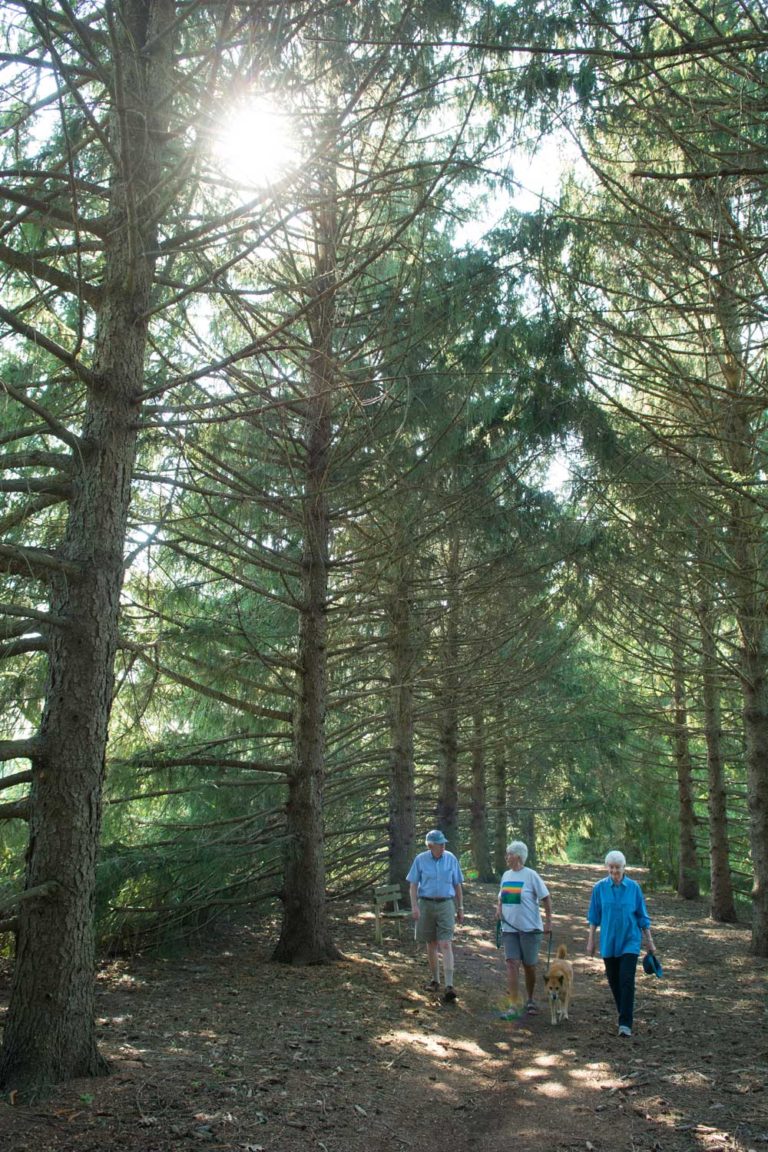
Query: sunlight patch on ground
(540, 1069)
(718, 933)
(691, 1078)
(362, 918)
(553, 1088)
(715, 1138)
(432, 1044)
(131, 1052)
(380, 963)
(435, 1045)
(469, 1048)
(588, 1072)
(549, 1060)
(659, 1112)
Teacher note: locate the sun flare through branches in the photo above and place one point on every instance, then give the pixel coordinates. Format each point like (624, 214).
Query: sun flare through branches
(255, 146)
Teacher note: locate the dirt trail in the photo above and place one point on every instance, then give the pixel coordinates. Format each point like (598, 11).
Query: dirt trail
(692, 1077)
(227, 1051)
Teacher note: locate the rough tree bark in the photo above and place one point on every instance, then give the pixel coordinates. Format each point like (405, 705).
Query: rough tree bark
(722, 905)
(748, 577)
(403, 655)
(447, 807)
(500, 795)
(479, 835)
(50, 1030)
(687, 869)
(305, 936)
(746, 547)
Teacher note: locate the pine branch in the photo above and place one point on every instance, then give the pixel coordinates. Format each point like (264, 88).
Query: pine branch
(24, 262)
(211, 693)
(40, 892)
(28, 615)
(15, 810)
(22, 647)
(17, 777)
(57, 428)
(40, 340)
(35, 562)
(47, 214)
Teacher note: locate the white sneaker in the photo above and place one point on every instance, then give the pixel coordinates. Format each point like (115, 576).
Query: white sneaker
(624, 1031)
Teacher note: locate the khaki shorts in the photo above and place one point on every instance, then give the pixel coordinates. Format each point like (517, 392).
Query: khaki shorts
(522, 946)
(436, 921)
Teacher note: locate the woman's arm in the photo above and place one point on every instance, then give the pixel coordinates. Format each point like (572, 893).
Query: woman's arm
(594, 916)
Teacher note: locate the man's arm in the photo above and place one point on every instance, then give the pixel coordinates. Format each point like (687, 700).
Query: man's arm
(459, 896)
(414, 889)
(547, 906)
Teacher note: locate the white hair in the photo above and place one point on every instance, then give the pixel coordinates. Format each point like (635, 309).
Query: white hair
(616, 858)
(517, 848)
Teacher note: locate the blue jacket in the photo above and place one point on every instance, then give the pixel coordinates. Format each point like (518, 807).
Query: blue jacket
(619, 911)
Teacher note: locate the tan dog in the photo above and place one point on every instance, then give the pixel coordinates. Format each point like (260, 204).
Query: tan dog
(559, 986)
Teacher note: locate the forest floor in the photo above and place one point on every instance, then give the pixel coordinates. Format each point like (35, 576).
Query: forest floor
(224, 1050)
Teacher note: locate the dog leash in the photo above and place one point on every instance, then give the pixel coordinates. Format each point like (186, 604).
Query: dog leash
(549, 955)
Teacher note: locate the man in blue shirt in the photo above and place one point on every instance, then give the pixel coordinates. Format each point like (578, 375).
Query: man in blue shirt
(617, 908)
(437, 903)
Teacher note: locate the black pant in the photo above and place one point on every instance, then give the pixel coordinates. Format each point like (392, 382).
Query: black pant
(620, 971)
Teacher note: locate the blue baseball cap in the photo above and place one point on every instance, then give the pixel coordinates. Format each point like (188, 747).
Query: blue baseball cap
(651, 964)
(435, 837)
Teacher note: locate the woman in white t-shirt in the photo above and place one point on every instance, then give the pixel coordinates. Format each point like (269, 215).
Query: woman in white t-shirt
(521, 892)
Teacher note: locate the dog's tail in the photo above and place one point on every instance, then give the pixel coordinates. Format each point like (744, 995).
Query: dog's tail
(562, 952)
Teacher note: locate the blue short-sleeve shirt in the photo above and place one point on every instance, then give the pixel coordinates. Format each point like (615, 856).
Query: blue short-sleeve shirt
(436, 876)
(619, 911)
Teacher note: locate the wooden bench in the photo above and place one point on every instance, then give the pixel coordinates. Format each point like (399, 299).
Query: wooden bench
(386, 906)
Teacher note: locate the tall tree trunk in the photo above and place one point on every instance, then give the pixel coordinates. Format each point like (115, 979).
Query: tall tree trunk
(500, 798)
(50, 1030)
(528, 830)
(402, 650)
(479, 837)
(522, 824)
(754, 660)
(722, 906)
(447, 808)
(305, 936)
(688, 868)
(756, 732)
(748, 575)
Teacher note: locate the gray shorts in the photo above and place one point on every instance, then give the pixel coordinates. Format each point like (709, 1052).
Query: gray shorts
(436, 920)
(522, 946)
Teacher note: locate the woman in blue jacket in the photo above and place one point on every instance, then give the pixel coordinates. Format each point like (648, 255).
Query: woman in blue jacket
(618, 909)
